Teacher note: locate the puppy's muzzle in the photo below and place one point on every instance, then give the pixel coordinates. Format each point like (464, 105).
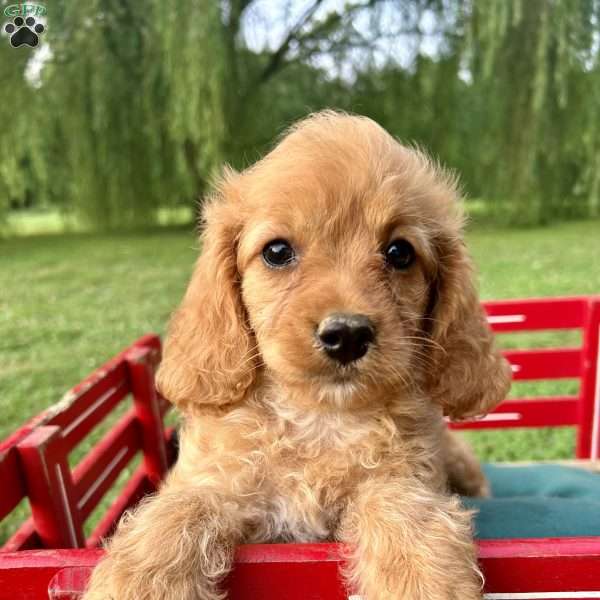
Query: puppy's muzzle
(345, 337)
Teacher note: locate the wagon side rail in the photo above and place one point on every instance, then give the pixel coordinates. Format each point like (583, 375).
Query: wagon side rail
(34, 460)
(581, 410)
(532, 569)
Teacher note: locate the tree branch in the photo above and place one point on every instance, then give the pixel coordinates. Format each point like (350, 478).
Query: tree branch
(276, 61)
(277, 57)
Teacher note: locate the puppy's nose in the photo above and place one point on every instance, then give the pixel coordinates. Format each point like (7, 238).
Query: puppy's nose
(346, 337)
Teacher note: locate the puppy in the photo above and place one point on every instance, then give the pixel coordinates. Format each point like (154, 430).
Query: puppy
(330, 324)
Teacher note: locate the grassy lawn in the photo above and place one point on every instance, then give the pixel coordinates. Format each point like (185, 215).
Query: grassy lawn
(69, 302)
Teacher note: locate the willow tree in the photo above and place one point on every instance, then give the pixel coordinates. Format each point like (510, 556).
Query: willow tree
(536, 67)
(143, 101)
(125, 99)
(21, 136)
(139, 103)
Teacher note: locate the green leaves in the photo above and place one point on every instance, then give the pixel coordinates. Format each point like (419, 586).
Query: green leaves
(129, 106)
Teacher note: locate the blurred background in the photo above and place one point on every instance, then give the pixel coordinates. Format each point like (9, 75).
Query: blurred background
(115, 123)
(126, 108)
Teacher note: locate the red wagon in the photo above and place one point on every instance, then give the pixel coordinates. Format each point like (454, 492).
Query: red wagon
(49, 556)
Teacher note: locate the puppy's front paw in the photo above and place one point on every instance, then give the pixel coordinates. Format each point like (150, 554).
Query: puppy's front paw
(409, 543)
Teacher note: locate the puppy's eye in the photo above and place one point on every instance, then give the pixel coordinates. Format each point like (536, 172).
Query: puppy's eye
(278, 254)
(400, 254)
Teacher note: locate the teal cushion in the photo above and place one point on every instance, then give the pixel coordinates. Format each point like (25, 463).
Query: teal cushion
(538, 501)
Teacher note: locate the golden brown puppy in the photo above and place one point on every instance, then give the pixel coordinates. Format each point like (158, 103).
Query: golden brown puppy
(330, 323)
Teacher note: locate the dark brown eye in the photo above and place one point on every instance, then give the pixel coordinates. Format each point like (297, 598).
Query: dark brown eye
(278, 254)
(400, 254)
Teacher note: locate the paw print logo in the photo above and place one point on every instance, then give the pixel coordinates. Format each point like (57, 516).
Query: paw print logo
(24, 32)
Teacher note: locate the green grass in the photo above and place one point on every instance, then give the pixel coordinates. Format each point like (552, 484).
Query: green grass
(69, 302)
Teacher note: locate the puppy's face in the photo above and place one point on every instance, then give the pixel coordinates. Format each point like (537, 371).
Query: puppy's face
(336, 279)
(335, 266)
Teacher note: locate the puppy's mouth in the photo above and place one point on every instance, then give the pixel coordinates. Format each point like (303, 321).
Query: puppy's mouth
(336, 374)
(344, 381)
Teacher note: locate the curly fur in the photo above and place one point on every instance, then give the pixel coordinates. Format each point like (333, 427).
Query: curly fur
(280, 444)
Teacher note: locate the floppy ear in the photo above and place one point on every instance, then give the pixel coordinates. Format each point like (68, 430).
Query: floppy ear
(470, 376)
(209, 350)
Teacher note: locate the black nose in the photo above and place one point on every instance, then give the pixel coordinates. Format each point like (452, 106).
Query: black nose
(345, 337)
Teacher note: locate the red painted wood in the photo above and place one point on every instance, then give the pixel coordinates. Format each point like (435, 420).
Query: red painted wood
(26, 575)
(142, 363)
(46, 417)
(546, 363)
(301, 571)
(99, 393)
(67, 584)
(588, 438)
(50, 488)
(550, 565)
(529, 412)
(538, 313)
(25, 538)
(148, 340)
(82, 408)
(133, 491)
(13, 486)
(11, 477)
(96, 473)
(14, 438)
(88, 408)
(290, 571)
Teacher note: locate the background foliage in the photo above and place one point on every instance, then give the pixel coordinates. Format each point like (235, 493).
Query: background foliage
(127, 106)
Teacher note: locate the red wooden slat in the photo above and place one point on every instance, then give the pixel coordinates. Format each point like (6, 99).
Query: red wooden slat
(13, 486)
(588, 438)
(541, 565)
(545, 363)
(25, 538)
(266, 572)
(94, 475)
(50, 488)
(111, 374)
(528, 412)
(26, 575)
(536, 314)
(149, 340)
(11, 478)
(83, 411)
(89, 402)
(113, 371)
(137, 486)
(14, 438)
(141, 364)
